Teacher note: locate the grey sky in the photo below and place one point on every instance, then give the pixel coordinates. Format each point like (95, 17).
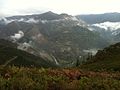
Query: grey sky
(73, 7)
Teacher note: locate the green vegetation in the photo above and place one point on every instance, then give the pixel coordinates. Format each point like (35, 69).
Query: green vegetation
(10, 55)
(21, 78)
(106, 59)
(16, 72)
(63, 42)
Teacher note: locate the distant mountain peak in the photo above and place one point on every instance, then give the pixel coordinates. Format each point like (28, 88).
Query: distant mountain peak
(49, 12)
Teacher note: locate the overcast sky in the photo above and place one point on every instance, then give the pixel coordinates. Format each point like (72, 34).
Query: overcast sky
(73, 7)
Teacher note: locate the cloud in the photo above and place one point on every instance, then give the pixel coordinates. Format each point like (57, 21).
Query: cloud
(32, 11)
(15, 7)
(17, 36)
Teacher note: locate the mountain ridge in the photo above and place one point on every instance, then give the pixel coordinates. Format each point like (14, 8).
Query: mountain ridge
(10, 55)
(99, 18)
(107, 59)
(65, 38)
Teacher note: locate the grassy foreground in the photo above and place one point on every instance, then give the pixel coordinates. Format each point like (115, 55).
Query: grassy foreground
(21, 78)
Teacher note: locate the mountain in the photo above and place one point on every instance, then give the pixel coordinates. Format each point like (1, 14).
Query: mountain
(35, 18)
(100, 18)
(106, 59)
(107, 25)
(10, 55)
(59, 38)
(44, 16)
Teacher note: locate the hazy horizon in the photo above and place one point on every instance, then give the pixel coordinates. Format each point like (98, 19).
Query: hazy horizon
(71, 7)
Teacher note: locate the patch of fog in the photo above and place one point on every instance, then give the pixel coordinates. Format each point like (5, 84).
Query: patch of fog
(32, 20)
(74, 19)
(108, 25)
(115, 32)
(6, 21)
(92, 51)
(44, 21)
(47, 21)
(17, 36)
(21, 20)
(91, 29)
(24, 46)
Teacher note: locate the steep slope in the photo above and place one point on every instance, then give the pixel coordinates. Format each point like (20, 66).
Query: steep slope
(10, 55)
(107, 25)
(60, 38)
(44, 16)
(65, 43)
(106, 59)
(100, 18)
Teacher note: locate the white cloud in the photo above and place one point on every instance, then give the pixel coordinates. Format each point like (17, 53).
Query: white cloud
(17, 36)
(108, 25)
(60, 6)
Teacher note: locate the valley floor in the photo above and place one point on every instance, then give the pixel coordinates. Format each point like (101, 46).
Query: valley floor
(23, 78)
